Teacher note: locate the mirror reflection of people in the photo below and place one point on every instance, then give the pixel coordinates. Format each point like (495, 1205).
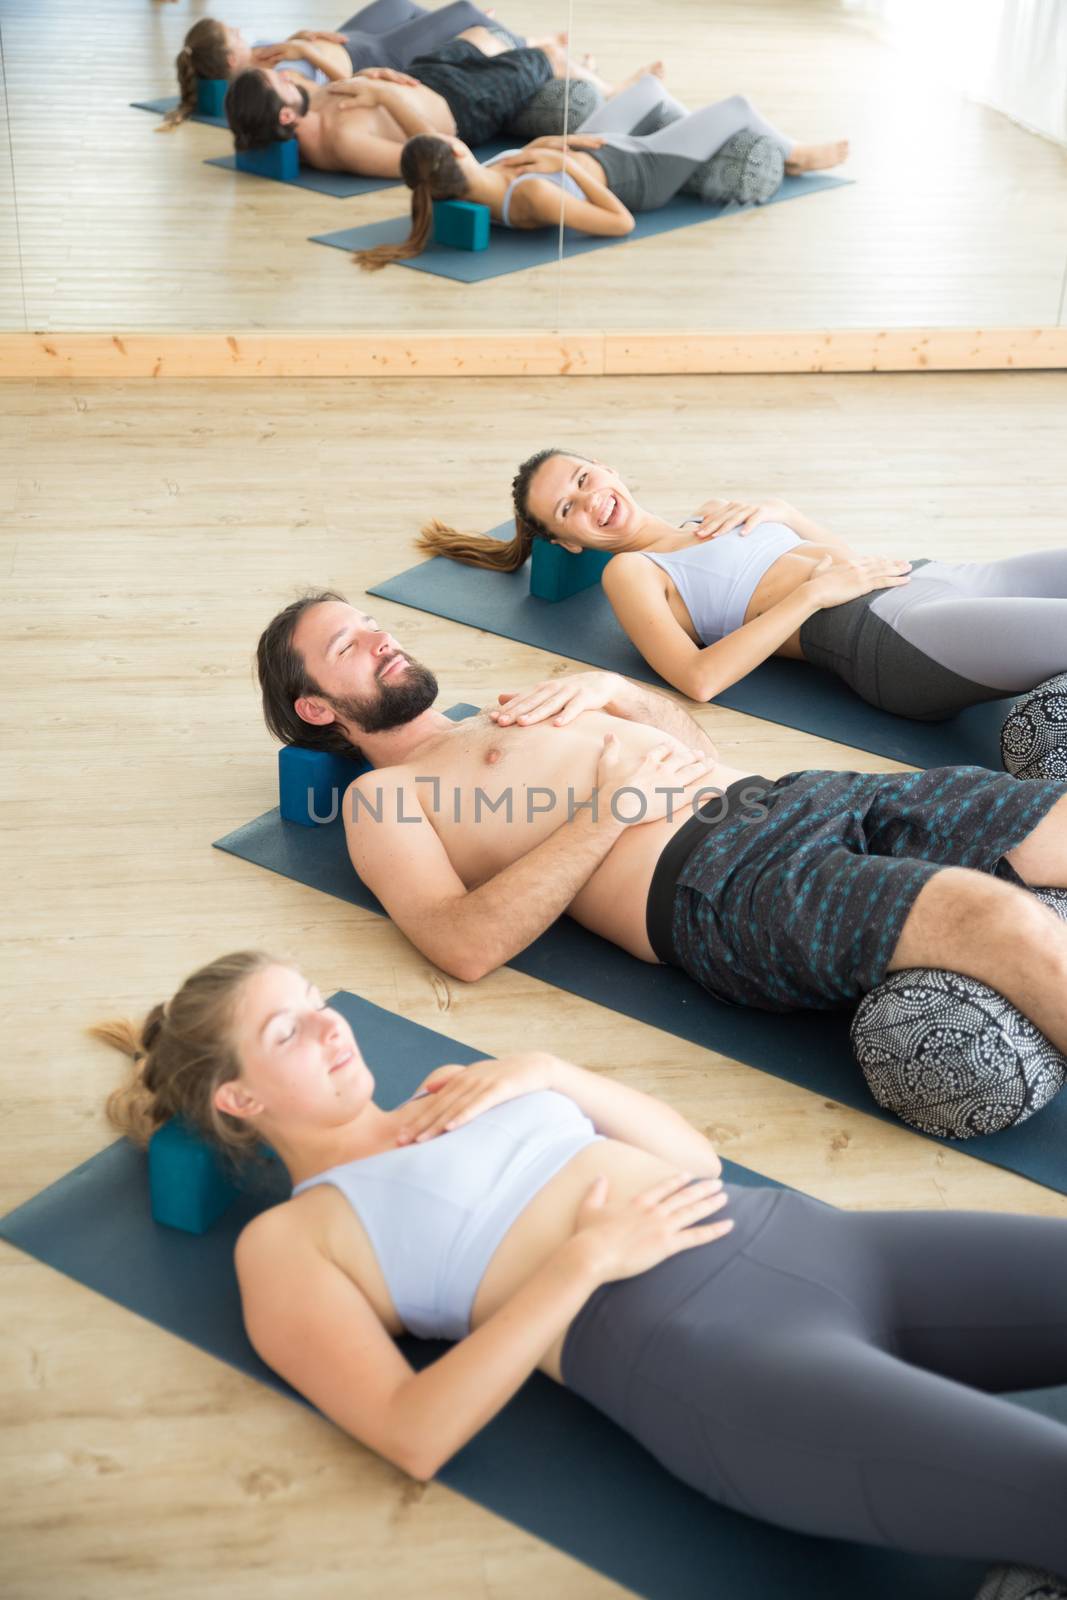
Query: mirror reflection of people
(709, 601)
(387, 33)
(832, 1372)
(595, 180)
(360, 125)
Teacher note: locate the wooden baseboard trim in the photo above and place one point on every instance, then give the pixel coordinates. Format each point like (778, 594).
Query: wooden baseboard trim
(521, 354)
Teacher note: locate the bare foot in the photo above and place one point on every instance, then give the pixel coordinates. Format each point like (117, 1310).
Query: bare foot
(654, 70)
(816, 157)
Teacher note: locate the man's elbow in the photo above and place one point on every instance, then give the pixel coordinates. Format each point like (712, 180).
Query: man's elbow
(468, 965)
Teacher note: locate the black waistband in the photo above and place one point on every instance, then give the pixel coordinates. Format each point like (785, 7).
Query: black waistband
(659, 912)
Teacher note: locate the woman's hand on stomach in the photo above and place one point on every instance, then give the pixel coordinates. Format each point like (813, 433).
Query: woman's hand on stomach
(628, 1238)
(832, 583)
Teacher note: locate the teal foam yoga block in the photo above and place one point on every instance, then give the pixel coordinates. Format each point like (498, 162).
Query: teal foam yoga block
(555, 574)
(210, 95)
(279, 160)
(187, 1181)
(311, 783)
(461, 224)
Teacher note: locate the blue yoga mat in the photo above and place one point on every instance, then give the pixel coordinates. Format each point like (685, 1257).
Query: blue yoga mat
(515, 251)
(548, 1462)
(341, 185)
(791, 693)
(160, 108)
(808, 1048)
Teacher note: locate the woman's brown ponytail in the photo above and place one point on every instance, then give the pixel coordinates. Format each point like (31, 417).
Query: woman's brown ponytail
(501, 555)
(431, 172)
(474, 549)
(205, 54)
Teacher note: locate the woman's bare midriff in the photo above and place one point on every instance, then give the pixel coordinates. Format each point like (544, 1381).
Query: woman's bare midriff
(545, 1224)
(780, 580)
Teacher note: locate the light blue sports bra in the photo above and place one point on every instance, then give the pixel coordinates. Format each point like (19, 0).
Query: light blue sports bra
(563, 180)
(717, 579)
(305, 68)
(435, 1212)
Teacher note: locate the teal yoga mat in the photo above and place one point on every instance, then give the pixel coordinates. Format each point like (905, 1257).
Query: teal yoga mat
(808, 1048)
(161, 107)
(548, 1462)
(791, 693)
(515, 251)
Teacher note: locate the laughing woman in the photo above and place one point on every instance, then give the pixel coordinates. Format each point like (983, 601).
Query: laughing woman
(834, 1372)
(707, 602)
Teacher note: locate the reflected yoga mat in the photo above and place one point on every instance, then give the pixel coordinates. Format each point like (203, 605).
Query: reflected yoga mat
(792, 693)
(548, 1461)
(808, 1048)
(340, 185)
(515, 251)
(169, 103)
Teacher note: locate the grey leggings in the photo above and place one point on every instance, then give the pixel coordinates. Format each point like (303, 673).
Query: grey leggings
(391, 33)
(840, 1373)
(957, 634)
(645, 170)
(1002, 624)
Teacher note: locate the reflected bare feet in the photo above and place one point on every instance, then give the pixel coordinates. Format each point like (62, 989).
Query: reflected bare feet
(655, 69)
(816, 157)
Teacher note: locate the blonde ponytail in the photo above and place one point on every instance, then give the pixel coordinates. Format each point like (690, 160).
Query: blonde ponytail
(180, 1055)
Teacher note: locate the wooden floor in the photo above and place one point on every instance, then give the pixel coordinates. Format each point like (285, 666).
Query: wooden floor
(153, 529)
(957, 216)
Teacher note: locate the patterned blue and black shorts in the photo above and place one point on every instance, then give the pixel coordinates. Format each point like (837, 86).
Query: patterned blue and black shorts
(797, 897)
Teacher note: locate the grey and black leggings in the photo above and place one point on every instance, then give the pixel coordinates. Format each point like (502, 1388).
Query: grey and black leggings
(391, 33)
(644, 170)
(958, 633)
(840, 1373)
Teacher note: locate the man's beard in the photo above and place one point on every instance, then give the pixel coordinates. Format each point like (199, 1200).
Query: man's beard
(394, 704)
(305, 98)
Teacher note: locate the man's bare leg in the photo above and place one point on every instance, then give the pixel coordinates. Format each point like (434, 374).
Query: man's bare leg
(968, 922)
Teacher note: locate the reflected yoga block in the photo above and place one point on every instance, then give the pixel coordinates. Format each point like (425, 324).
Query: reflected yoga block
(210, 96)
(555, 574)
(187, 1180)
(461, 224)
(311, 783)
(279, 160)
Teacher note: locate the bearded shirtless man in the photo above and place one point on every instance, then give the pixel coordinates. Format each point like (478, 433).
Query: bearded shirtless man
(471, 88)
(590, 795)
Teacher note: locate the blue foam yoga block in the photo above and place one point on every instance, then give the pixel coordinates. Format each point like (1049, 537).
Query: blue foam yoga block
(279, 160)
(461, 224)
(311, 783)
(210, 95)
(187, 1182)
(556, 574)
